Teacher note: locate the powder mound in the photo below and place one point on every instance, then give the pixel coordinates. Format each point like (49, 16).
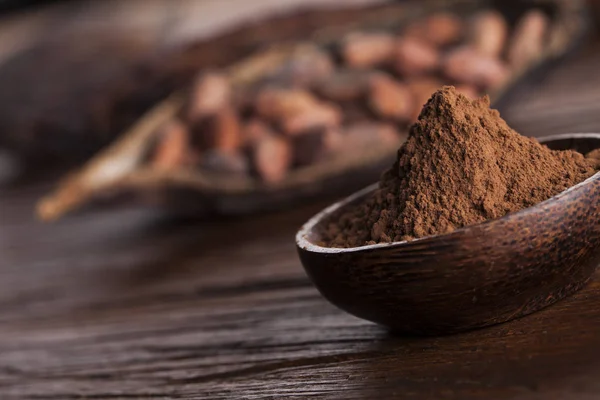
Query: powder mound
(461, 165)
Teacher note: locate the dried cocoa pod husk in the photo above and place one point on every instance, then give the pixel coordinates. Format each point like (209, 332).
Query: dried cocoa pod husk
(367, 50)
(488, 32)
(113, 168)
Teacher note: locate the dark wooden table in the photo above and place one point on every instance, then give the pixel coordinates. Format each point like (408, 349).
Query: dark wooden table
(127, 304)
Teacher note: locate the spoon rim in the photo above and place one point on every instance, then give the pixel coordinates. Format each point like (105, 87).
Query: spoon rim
(308, 227)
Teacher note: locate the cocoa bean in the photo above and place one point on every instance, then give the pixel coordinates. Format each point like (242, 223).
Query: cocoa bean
(364, 134)
(224, 162)
(356, 112)
(315, 145)
(488, 31)
(255, 130)
(210, 92)
(172, 146)
(296, 110)
(466, 65)
(443, 29)
(306, 67)
(528, 39)
(413, 56)
(272, 157)
(323, 115)
(228, 130)
(440, 29)
(389, 98)
(277, 104)
(220, 131)
(366, 50)
(345, 85)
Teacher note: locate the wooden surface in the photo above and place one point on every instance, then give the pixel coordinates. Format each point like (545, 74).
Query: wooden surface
(124, 305)
(127, 304)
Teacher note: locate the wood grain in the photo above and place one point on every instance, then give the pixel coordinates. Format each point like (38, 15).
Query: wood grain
(130, 305)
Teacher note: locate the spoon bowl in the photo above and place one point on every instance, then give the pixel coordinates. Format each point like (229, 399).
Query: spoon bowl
(475, 276)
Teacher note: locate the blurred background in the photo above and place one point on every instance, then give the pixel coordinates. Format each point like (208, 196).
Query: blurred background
(250, 106)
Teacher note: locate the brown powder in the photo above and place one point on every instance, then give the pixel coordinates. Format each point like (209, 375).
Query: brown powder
(593, 157)
(461, 165)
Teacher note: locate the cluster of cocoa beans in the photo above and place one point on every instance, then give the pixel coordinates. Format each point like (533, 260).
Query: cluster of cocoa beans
(331, 102)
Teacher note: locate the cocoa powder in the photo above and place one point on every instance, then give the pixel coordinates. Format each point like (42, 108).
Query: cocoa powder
(461, 165)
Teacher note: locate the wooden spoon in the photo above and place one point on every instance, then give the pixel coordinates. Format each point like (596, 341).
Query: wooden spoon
(478, 275)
